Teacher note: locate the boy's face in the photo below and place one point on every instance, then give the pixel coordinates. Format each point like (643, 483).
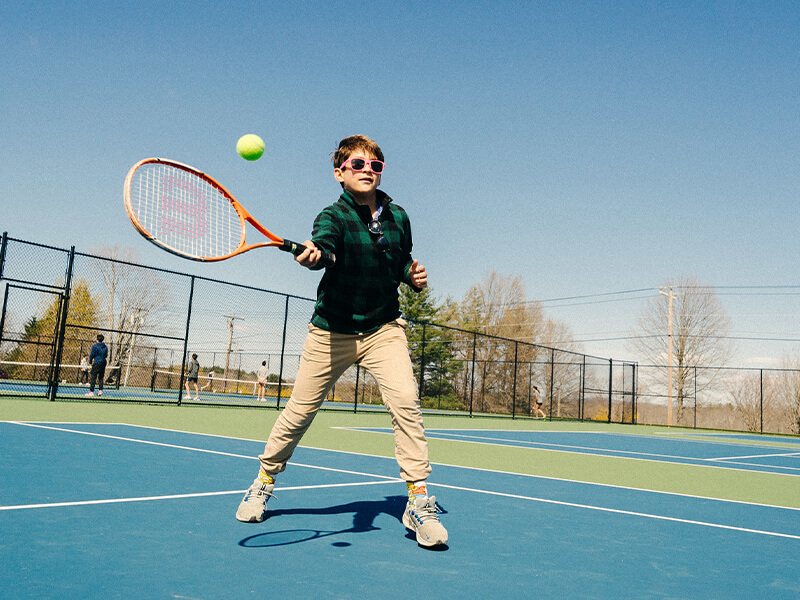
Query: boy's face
(358, 183)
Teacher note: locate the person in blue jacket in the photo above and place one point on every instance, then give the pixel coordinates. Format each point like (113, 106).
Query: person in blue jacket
(97, 358)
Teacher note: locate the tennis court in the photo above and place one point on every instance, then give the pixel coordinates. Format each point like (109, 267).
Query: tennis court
(143, 507)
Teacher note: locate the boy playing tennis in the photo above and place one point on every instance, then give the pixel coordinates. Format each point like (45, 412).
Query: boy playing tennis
(357, 319)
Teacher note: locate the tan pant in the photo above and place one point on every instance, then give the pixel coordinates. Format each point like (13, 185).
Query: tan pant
(326, 355)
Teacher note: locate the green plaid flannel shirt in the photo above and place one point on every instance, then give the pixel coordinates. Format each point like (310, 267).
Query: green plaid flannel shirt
(359, 293)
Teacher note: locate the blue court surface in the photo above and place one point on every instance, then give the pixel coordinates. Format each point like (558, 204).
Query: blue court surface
(120, 511)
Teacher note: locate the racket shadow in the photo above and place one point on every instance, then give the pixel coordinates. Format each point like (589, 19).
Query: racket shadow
(364, 515)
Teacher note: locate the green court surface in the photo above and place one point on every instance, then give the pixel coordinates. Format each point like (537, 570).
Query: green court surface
(344, 431)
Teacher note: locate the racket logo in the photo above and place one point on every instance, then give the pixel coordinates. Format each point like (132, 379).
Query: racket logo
(187, 219)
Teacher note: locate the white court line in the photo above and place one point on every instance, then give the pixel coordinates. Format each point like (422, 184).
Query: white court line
(178, 447)
(481, 491)
(644, 456)
(754, 456)
(624, 512)
(180, 496)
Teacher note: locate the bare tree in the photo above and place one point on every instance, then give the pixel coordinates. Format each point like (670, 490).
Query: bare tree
(135, 296)
(751, 398)
(499, 307)
(700, 326)
(788, 393)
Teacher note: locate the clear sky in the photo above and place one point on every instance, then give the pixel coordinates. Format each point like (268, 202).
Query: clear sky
(589, 147)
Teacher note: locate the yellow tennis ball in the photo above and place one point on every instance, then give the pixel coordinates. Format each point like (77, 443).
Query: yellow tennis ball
(250, 147)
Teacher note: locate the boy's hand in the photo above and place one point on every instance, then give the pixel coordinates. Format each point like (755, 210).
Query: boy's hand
(310, 256)
(419, 278)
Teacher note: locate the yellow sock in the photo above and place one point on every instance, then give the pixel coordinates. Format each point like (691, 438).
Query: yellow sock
(417, 489)
(265, 479)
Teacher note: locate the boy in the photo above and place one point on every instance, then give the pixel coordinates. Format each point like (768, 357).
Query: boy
(357, 319)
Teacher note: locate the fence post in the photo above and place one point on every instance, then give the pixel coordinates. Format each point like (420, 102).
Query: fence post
(552, 379)
(421, 390)
(55, 369)
(355, 392)
(283, 351)
(3, 253)
(186, 339)
(514, 386)
(695, 397)
(472, 382)
(761, 393)
(610, 386)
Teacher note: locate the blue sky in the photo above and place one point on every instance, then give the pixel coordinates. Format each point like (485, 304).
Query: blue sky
(588, 147)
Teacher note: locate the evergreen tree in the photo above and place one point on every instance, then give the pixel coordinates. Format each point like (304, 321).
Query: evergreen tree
(431, 347)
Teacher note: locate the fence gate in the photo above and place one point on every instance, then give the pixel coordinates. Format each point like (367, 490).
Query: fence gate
(30, 351)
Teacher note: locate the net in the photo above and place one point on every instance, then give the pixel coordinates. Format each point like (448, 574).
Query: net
(218, 388)
(20, 373)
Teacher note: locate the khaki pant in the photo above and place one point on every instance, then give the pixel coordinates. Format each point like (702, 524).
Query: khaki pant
(326, 355)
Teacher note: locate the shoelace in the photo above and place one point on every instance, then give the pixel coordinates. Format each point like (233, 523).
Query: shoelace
(428, 510)
(258, 492)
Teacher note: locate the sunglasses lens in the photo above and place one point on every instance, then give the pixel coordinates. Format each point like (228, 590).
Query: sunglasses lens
(375, 227)
(376, 166)
(357, 164)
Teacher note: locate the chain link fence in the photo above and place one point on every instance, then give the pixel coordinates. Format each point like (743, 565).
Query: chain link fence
(56, 301)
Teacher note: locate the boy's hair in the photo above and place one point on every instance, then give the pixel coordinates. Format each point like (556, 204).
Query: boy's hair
(194, 356)
(100, 337)
(355, 142)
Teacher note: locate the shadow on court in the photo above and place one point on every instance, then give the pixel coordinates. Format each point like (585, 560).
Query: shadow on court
(364, 514)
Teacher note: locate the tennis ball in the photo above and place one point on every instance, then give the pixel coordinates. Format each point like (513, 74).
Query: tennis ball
(250, 147)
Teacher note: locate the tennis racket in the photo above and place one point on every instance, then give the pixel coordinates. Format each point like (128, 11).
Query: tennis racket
(188, 213)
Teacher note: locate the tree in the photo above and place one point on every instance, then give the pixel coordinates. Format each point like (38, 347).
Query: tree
(751, 398)
(431, 347)
(700, 327)
(788, 393)
(499, 307)
(133, 296)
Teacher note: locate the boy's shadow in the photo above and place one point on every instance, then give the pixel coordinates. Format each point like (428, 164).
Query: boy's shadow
(364, 515)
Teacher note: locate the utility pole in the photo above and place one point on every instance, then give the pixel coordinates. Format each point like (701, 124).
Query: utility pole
(231, 319)
(670, 296)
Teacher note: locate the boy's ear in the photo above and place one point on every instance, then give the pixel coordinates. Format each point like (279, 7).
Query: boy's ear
(337, 173)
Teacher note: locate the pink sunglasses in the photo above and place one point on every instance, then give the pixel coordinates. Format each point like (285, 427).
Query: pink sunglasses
(358, 164)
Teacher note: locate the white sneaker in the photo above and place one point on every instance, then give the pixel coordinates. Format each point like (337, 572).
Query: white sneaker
(421, 517)
(253, 507)
(90, 393)
(100, 392)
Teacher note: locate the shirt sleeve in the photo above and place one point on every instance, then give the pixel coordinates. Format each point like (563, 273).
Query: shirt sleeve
(326, 234)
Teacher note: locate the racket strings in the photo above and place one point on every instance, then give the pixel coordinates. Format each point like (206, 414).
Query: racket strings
(184, 212)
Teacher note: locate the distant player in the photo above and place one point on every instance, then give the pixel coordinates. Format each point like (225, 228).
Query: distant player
(537, 398)
(210, 382)
(97, 358)
(261, 378)
(192, 373)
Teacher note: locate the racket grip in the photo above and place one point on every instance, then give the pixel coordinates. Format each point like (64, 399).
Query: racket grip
(327, 260)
